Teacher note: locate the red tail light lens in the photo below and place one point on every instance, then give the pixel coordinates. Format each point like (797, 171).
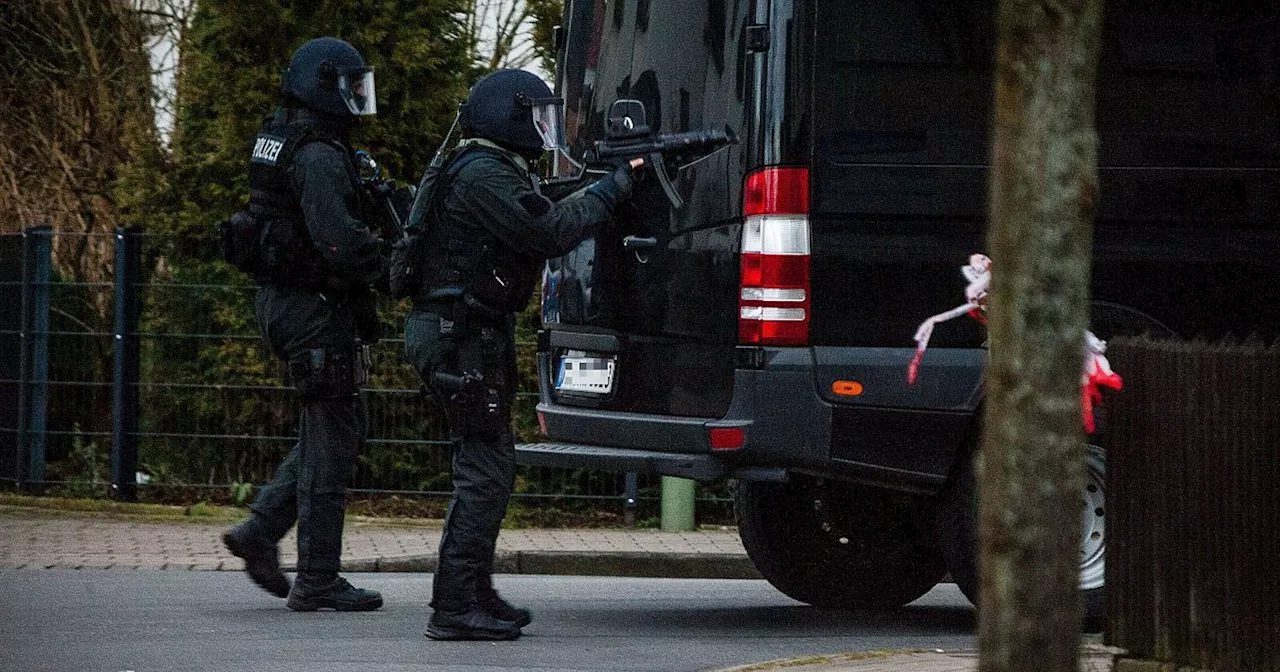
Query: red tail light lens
(774, 301)
(777, 191)
(727, 438)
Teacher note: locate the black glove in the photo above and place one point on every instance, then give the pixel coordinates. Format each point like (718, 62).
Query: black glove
(615, 187)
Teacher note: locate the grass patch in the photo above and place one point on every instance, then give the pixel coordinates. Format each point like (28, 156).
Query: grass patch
(199, 511)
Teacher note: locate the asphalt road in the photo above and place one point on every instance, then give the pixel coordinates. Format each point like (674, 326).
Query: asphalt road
(187, 621)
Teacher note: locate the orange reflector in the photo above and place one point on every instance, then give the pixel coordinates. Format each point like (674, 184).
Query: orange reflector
(727, 438)
(542, 423)
(847, 388)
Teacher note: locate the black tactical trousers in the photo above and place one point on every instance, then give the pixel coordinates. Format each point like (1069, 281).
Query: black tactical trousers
(308, 333)
(483, 448)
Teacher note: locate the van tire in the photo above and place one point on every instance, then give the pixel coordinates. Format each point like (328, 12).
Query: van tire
(793, 534)
(958, 533)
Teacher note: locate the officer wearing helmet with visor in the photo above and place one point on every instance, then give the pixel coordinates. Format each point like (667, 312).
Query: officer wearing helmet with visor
(491, 229)
(315, 311)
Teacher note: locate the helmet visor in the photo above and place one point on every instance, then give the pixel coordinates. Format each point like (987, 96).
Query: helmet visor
(356, 89)
(548, 119)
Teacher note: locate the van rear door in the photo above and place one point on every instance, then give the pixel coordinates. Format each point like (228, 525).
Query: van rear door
(1188, 149)
(643, 317)
(902, 98)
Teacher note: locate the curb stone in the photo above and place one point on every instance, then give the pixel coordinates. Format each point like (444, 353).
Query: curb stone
(1093, 658)
(1134, 665)
(579, 563)
(817, 662)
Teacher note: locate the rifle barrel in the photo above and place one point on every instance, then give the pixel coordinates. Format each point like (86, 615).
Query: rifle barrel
(666, 143)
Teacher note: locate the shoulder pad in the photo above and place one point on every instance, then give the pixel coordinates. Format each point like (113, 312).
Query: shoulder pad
(477, 156)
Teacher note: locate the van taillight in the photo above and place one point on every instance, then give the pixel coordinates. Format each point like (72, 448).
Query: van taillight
(773, 300)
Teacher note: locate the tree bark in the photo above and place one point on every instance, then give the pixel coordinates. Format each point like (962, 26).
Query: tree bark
(1031, 466)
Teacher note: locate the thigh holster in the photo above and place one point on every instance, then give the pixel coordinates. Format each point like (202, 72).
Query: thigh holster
(328, 373)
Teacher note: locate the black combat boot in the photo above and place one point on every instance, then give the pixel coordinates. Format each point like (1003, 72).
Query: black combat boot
(493, 604)
(470, 624)
(330, 591)
(260, 555)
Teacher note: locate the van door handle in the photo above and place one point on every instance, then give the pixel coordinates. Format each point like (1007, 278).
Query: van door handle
(639, 242)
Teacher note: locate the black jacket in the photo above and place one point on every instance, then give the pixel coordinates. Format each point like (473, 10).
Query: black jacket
(302, 175)
(323, 178)
(494, 223)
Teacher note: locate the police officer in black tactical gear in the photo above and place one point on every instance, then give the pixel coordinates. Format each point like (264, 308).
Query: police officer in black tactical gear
(315, 311)
(488, 236)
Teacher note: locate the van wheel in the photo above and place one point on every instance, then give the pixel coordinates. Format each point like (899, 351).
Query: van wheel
(958, 531)
(833, 544)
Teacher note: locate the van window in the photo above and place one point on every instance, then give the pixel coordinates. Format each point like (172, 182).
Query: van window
(1182, 83)
(1188, 110)
(597, 51)
(1189, 84)
(903, 81)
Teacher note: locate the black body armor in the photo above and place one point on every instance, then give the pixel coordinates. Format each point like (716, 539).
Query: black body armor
(269, 240)
(462, 260)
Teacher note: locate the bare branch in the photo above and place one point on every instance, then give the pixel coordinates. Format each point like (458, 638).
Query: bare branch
(501, 33)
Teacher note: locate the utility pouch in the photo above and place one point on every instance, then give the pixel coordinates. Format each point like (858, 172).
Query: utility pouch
(289, 258)
(240, 241)
(405, 277)
(323, 374)
(490, 291)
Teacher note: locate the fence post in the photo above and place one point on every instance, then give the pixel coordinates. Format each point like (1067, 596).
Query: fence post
(24, 357)
(124, 387)
(33, 378)
(38, 410)
(630, 499)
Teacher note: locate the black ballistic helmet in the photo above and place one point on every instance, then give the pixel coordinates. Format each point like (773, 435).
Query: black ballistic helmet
(515, 109)
(329, 76)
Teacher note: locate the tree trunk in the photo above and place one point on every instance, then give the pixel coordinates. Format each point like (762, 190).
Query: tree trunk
(1031, 466)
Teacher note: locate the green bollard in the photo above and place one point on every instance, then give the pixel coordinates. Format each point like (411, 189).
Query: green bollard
(677, 504)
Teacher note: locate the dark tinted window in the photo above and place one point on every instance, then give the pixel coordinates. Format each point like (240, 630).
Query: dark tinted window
(1189, 84)
(903, 81)
(597, 55)
(1181, 83)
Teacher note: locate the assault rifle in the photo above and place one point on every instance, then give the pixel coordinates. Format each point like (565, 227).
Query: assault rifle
(628, 136)
(391, 202)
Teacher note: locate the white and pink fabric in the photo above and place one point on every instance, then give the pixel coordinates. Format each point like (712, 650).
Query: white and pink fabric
(1095, 374)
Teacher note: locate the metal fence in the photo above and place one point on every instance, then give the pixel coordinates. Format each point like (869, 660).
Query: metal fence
(1193, 532)
(131, 366)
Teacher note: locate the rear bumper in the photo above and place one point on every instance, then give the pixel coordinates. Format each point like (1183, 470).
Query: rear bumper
(905, 441)
(697, 467)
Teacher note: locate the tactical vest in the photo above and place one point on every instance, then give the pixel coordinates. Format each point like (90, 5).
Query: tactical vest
(465, 261)
(287, 255)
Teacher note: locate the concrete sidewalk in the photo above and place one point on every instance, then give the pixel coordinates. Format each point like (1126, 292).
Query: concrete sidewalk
(39, 538)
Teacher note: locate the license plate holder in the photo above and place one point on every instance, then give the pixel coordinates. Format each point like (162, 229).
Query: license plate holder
(585, 373)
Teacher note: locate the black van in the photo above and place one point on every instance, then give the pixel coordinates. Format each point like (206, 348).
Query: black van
(762, 330)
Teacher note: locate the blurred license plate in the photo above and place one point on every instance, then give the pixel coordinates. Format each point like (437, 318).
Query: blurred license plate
(585, 374)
